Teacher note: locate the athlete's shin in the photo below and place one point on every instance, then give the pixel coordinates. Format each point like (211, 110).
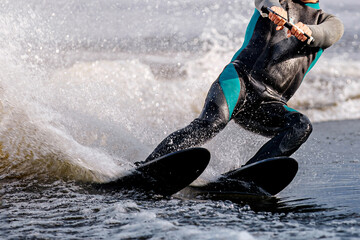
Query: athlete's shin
(286, 141)
(196, 133)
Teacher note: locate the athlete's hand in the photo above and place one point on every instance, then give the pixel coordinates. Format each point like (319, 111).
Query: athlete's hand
(276, 19)
(298, 34)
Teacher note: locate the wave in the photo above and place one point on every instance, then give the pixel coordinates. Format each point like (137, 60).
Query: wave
(84, 103)
(90, 121)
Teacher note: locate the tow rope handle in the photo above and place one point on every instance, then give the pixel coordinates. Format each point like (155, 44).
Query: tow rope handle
(288, 25)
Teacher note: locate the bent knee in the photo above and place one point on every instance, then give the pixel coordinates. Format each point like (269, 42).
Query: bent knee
(301, 124)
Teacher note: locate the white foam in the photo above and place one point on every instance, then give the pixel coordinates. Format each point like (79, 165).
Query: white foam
(104, 112)
(331, 91)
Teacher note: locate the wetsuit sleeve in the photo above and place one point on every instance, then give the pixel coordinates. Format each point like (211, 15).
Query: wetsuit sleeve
(328, 32)
(267, 3)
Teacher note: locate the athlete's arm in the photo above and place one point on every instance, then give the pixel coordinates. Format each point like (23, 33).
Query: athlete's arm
(280, 21)
(259, 4)
(298, 33)
(276, 7)
(328, 32)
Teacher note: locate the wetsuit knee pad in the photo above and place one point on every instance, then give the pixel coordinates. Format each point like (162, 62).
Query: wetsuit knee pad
(215, 109)
(300, 123)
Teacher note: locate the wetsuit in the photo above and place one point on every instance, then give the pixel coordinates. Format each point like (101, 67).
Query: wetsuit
(254, 87)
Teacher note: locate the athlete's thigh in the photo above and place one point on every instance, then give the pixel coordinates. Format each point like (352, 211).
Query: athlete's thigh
(215, 109)
(266, 119)
(224, 97)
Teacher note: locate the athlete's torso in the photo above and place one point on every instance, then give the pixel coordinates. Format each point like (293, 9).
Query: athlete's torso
(279, 62)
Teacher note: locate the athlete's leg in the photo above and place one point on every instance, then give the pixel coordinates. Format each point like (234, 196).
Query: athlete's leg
(211, 121)
(288, 128)
(221, 100)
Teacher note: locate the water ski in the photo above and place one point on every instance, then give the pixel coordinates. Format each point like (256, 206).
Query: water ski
(264, 178)
(165, 175)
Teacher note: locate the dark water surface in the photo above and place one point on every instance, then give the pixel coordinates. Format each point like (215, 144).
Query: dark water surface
(321, 203)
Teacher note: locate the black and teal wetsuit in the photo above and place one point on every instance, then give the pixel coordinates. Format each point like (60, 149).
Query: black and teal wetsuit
(254, 87)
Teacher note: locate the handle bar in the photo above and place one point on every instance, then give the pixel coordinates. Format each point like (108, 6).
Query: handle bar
(288, 25)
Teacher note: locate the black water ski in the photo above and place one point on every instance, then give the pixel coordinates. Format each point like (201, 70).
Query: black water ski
(165, 175)
(264, 178)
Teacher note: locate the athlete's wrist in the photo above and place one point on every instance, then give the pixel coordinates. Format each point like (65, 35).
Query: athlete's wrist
(280, 18)
(299, 31)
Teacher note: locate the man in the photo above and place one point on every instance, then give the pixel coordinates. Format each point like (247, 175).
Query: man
(264, 74)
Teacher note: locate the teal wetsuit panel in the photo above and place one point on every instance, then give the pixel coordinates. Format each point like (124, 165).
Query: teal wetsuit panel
(320, 52)
(318, 55)
(229, 78)
(313, 5)
(230, 84)
(249, 32)
(289, 109)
